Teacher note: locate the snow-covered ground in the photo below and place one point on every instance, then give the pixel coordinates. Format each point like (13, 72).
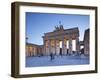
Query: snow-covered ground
(57, 61)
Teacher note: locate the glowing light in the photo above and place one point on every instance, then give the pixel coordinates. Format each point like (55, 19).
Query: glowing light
(74, 45)
(60, 44)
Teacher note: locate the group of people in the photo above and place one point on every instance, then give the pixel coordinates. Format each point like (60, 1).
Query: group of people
(52, 56)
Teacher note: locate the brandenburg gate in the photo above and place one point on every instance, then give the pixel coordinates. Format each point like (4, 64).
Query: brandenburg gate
(61, 41)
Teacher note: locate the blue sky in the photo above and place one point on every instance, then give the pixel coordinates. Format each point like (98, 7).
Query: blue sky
(39, 23)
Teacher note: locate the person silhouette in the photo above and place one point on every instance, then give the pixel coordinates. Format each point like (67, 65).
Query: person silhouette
(51, 56)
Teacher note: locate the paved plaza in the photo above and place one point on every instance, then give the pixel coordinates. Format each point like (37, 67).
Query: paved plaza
(57, 61)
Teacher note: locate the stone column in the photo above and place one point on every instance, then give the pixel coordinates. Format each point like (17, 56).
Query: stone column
(70, 46)
(44, 47)
(49, 46)
(77, 45)
(52, 47)
(65, 46)
(64, 49)
(55, 46)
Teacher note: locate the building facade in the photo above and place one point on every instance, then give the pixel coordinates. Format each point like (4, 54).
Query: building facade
(86, 42)
(61, 41)
(33, 49)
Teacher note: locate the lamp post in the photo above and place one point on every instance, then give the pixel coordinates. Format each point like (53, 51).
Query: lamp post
(26, 39)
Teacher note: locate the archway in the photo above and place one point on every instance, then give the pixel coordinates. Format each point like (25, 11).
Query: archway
(60, 47)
